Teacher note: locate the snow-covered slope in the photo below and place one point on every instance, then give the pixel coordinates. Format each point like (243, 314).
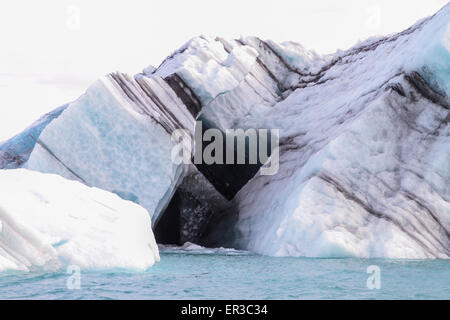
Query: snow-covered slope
(48, 222)
(364, 142)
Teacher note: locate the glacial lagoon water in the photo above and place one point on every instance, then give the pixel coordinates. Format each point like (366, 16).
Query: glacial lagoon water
(231, 274)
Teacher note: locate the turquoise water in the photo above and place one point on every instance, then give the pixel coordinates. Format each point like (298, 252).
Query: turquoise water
(232, 274)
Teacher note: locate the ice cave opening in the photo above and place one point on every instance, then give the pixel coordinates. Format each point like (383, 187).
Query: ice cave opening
(193, 213)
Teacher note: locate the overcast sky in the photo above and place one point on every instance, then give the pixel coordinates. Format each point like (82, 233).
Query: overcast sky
(51, 50)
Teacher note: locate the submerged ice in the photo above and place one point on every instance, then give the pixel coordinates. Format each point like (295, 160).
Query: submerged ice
(364, 144)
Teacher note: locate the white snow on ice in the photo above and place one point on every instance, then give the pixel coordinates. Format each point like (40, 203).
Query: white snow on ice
(48, 223)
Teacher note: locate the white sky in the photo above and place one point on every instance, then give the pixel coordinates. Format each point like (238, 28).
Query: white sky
(51, 50)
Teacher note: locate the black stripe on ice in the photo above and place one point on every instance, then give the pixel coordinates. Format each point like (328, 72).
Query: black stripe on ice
(350, 196)
(162, 108)
(185, 93)
(280, 87)
(39, 142)
(143, 107)
(419, 83)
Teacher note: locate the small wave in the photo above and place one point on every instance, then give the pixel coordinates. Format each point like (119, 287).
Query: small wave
(192, 248)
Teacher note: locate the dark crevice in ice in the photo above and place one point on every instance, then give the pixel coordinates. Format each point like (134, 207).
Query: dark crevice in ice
(167, 229)
(228, 179)
(185, 219)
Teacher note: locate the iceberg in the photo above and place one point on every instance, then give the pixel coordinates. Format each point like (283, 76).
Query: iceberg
(364, 144)
(117, 137)
(364, 156)
(49, 223)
